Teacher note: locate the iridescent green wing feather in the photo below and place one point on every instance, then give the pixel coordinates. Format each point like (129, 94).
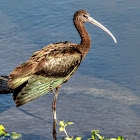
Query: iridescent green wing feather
(38, 86)
(23, 72)
(51, 71)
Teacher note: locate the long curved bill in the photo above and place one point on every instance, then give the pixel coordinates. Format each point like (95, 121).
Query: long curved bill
(93, 21)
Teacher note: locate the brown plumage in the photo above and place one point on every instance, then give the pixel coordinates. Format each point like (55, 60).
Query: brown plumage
(49, 61)
(53, 65)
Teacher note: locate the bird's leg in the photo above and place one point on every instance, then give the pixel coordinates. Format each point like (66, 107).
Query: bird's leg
(54, 112)
(54, 130)
(54, 103)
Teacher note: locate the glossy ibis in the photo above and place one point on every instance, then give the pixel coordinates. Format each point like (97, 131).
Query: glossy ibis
(52, 66)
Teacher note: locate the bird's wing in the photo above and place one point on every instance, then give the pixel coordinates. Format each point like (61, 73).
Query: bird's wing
(23, 72)
(37, 86)
(44, 73)
(55, 72)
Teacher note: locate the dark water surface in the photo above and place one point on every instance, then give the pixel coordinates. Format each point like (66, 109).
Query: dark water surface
(107, 81)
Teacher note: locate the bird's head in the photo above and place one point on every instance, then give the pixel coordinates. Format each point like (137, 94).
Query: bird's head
(83, 16)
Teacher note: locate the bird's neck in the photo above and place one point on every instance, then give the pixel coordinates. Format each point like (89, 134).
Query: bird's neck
(85, 44)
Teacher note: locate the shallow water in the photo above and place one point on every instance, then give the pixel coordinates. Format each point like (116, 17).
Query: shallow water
(109, 71)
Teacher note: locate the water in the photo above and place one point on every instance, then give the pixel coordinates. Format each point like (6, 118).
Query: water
(109, 71)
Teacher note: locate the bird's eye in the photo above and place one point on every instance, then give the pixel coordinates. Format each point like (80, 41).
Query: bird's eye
(85, 16)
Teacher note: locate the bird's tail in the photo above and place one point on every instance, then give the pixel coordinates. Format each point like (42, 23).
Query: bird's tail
(34, 88)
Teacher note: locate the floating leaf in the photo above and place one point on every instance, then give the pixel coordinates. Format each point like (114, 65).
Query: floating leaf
(62, 123)
(120, 138)
(7, 134)
(15, 136)
(61, 129)
(69, 123)
(2, 127)
(78, 138)
(99, 136)
(2, 132)
(95, 131)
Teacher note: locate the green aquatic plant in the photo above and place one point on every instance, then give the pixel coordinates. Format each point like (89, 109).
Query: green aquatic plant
(95, 135)
(6, 135)
(63, 128)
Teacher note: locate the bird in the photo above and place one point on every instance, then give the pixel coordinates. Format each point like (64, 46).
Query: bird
(47, 69)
